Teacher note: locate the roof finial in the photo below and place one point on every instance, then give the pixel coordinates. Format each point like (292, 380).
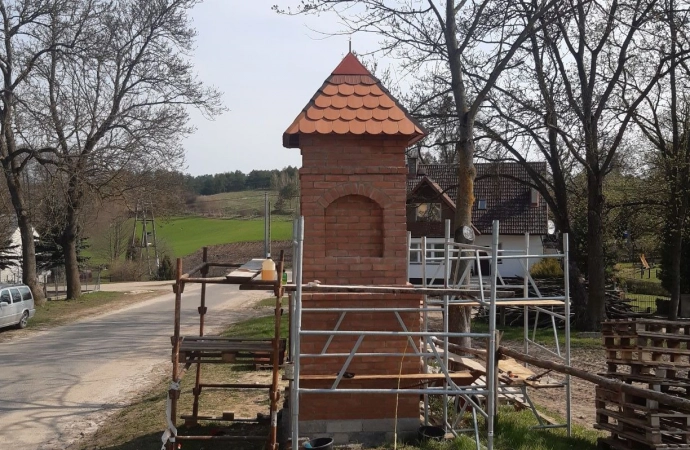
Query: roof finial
(349, 42)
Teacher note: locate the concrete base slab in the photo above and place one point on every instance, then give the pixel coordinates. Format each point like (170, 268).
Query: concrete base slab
(368, 433)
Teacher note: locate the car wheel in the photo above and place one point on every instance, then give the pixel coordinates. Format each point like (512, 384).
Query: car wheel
(24, 320)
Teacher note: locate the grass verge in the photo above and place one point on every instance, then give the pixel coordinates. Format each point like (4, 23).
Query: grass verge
(270, 302)
(61, 312)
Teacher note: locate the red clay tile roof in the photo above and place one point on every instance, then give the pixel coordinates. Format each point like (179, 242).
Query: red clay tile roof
(507, 199)
(353, 101)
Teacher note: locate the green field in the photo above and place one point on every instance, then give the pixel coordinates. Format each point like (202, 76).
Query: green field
(242, 204)
(185, 235)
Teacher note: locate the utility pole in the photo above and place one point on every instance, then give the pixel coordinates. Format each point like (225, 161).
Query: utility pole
(144, 213)
(267, 248)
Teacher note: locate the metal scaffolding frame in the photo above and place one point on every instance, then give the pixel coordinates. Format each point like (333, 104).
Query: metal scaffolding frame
(536, 305)
(490, 292)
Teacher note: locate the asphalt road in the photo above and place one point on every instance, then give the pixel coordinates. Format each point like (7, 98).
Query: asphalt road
(56, 385)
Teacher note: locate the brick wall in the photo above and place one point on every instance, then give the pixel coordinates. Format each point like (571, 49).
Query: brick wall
(364, 178)
(351, 406)
(353, 192)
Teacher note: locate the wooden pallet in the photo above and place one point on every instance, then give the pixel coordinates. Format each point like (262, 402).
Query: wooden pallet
(221, 350)
(615, 443)
(655, 354)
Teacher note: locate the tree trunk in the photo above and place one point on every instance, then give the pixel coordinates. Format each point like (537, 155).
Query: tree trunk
(26, 230)
(459, 318)
(69, 239)
(69, 247)
(596, 306)
(578, 292)
(676, 249)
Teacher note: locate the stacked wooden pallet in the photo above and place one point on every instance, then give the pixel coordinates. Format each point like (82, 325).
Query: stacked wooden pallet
(653, 354)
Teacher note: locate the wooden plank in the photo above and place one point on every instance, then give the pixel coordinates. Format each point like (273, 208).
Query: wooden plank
(649, 379)
(519, 374)
(465, 376)
(648, 363)
(246, 272)
(674, 402)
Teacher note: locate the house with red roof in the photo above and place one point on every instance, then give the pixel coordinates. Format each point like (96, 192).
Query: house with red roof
(502, 193)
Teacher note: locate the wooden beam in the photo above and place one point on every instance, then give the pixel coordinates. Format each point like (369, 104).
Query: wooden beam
(678, 403)
(470, 294)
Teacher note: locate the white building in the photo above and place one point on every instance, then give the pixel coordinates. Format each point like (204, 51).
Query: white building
(14, 274)
(500, 195)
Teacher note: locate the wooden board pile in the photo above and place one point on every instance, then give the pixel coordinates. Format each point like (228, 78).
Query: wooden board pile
(652, 354)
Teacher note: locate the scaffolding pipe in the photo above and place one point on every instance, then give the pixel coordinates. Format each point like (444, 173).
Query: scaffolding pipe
(297, 324)
(446, 256)
(491, 353)
(566, 282)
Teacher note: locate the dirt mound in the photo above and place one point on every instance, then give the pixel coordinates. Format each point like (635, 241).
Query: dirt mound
(238, 253)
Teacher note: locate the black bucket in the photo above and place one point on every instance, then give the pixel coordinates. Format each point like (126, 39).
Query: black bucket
(321, 444)
(429, 432)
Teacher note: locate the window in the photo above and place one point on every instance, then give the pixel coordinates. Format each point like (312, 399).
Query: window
(435, 251)
(429, 212)
(481, 204)
(534, 197)
(26, 293)
(415, 254)
(16, 296)
(5, 296)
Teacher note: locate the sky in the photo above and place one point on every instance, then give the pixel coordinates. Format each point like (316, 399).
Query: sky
(268, 66)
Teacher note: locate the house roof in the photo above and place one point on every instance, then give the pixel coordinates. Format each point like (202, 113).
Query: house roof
(507, 198)
(353, 101)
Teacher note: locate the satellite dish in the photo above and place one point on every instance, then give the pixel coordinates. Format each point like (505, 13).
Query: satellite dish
(468, 233)
(552, 227)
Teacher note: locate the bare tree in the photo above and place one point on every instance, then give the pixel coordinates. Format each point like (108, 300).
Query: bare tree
(25, 44)
(594, 44)
(664, 119)
(460, 50)
(522, 122)
(116, 109)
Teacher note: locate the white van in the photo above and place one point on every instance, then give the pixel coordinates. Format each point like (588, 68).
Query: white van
(16, 305)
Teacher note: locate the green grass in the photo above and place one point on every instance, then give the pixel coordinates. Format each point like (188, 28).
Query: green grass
(543, 336)
(632, 271)
(260, 327)
(270, 302)
(643, 301)
(237, 201)
(185, 235)
(513, 432)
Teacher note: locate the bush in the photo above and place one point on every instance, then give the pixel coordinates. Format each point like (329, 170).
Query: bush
(547, 268)
(166, 271)
(128, 271)
(633, 286)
